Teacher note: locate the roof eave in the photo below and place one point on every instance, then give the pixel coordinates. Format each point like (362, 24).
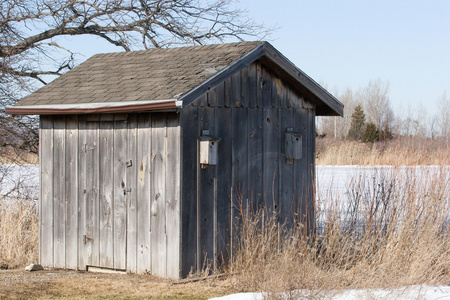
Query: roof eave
(99, 108)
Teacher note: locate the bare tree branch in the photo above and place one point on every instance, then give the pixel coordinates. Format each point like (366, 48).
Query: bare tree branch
(31, 33)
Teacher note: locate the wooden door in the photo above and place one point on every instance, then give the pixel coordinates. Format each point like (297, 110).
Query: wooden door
(103, 207)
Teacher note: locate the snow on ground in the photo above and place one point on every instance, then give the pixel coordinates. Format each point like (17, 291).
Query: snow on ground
(332, 181)
(412, 292)
(20, 181)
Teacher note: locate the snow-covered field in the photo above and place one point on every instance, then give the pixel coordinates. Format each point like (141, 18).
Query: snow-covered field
(412, 292)
(333, 182)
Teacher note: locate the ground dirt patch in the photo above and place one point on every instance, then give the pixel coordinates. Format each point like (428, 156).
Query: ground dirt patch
(50, 284)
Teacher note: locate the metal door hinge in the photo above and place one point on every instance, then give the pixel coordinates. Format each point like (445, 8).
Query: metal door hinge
(87, 239)
(87, 148)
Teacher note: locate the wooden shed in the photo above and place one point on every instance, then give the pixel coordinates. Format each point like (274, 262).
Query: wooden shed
(144, 155)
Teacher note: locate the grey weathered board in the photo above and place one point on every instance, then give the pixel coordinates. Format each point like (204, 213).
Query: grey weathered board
(173, 195)
(131, 195)
(189, 190)
(206, 197)
(106, 197)
(143, 191)
(120, 191)
(82, 189)
(90, 153)
(158, 195)
(71, 192)
(46, 192)
(223, 176)
(59, 203)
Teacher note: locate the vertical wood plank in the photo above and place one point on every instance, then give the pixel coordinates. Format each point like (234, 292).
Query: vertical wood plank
(228, 92)
(71, 191)
(236, 100)
(302, 173)
(245, 87)
(46, 194)
(240, 172)
(202, 101)
(267, 101)
(143, 193)
(219, 95)
(106, 179)
(255, 156)
(259, 85)
(287, 180)
(277, 91)
(224, 182)
(91, 208)
(189, 129)
(281, 91)
(173, 195)
(311, 217)
(59, 203)
(206, 196)
(252, 85)
(120, 195)
(271, 150)
(131, 198)
(158, 199)
(82, 189)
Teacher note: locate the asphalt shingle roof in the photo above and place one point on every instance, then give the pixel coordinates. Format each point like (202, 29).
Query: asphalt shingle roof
(156, 74)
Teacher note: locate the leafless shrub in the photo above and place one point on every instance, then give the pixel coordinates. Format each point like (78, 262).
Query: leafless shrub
(18, 216)
(19, 232)
(392, 231)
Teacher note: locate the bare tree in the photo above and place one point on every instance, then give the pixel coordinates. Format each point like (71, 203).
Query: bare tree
(31, 32)
(338, 126)
(29, 29)
(443, 118)
(375, 98)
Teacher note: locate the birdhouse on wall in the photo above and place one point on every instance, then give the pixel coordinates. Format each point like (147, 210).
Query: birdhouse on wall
(293, 146)
(208, 149)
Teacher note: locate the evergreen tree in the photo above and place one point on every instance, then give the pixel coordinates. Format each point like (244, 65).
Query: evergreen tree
(385, 134)
(358, 125)
(371, 134)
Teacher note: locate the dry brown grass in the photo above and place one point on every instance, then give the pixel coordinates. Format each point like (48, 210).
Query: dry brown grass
(9, 155)
(402, 151)
(389, 234)
(19, 232)
(63, 284)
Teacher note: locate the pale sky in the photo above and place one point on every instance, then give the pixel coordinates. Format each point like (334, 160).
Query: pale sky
(347, 43)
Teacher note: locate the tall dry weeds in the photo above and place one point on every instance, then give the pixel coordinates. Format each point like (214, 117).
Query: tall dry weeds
(19, 232)
(393, 230)
(401, 151)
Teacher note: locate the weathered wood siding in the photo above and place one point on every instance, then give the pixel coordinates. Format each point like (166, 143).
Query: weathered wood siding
(250, 112)
(110, 192)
